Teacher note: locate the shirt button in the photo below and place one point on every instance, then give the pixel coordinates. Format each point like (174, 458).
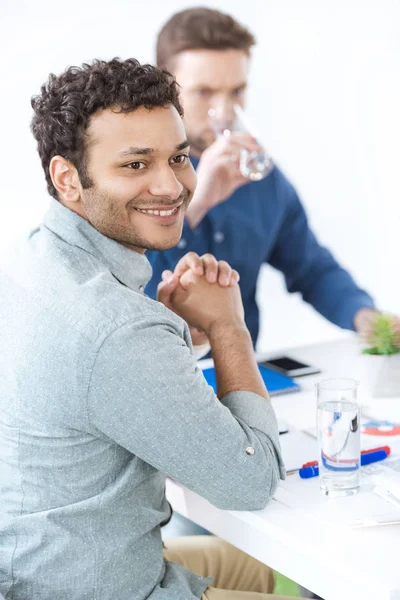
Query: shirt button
(141, 289)
(250, 450)
(219, 237)
(182, 244)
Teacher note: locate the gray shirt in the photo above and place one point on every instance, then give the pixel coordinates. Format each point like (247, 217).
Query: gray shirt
(100, 399)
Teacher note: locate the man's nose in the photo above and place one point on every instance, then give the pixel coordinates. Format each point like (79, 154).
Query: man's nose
(224, 110)
(164, 183)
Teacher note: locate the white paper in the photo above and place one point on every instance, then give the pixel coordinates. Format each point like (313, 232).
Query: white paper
(298, 448)
(364, 509)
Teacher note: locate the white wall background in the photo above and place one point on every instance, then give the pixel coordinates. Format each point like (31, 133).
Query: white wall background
(325, 97)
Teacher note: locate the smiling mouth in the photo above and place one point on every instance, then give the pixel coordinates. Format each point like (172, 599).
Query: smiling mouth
(160, 212)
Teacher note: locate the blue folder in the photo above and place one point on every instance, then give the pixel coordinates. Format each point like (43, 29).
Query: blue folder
(276, 383)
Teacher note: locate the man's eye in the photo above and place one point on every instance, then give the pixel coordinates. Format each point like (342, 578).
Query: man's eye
(203, 92)
(136, 166)
(180, 159)
(238, 92)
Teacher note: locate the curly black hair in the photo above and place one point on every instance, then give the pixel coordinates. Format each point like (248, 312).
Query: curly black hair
(67, 101)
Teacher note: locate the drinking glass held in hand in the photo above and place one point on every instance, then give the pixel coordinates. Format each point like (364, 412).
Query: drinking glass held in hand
(338, 426)
(253, 165)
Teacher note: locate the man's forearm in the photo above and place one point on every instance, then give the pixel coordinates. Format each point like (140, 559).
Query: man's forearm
(196, 211)
(235, 364)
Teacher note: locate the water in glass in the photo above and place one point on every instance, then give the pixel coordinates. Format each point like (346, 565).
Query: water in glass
(339, 442)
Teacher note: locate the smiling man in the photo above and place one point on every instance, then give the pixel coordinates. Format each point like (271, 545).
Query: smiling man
(100, 395)
(141, 193)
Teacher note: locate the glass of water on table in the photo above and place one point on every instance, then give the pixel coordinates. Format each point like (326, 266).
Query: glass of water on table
(338, 426)
(253, 165)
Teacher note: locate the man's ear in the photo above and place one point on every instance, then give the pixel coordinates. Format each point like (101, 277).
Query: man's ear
(65, 179)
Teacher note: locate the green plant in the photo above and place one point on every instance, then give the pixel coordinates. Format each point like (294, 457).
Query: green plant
(384, 337)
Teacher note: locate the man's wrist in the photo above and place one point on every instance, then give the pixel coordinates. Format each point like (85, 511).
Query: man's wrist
(234, 329)
(363, 316)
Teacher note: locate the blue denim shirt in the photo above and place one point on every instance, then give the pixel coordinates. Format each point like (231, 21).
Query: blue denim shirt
(265, 222)
(100, 399)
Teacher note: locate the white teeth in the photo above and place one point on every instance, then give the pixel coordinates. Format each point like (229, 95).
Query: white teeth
(161, 213)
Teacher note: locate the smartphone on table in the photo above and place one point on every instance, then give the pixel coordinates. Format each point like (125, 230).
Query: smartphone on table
(290, 367)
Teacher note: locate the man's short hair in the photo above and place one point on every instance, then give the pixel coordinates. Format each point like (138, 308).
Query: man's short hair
(200, 29)
(66, 102)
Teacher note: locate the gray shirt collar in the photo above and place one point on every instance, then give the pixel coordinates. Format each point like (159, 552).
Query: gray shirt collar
(129, 267)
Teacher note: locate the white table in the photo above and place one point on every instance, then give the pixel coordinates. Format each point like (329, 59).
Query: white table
(366, 566)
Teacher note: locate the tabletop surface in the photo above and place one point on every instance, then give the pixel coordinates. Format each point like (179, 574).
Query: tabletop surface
(334, 562)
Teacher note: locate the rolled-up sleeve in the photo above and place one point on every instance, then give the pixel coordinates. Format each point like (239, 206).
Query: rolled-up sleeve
(148, 395)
